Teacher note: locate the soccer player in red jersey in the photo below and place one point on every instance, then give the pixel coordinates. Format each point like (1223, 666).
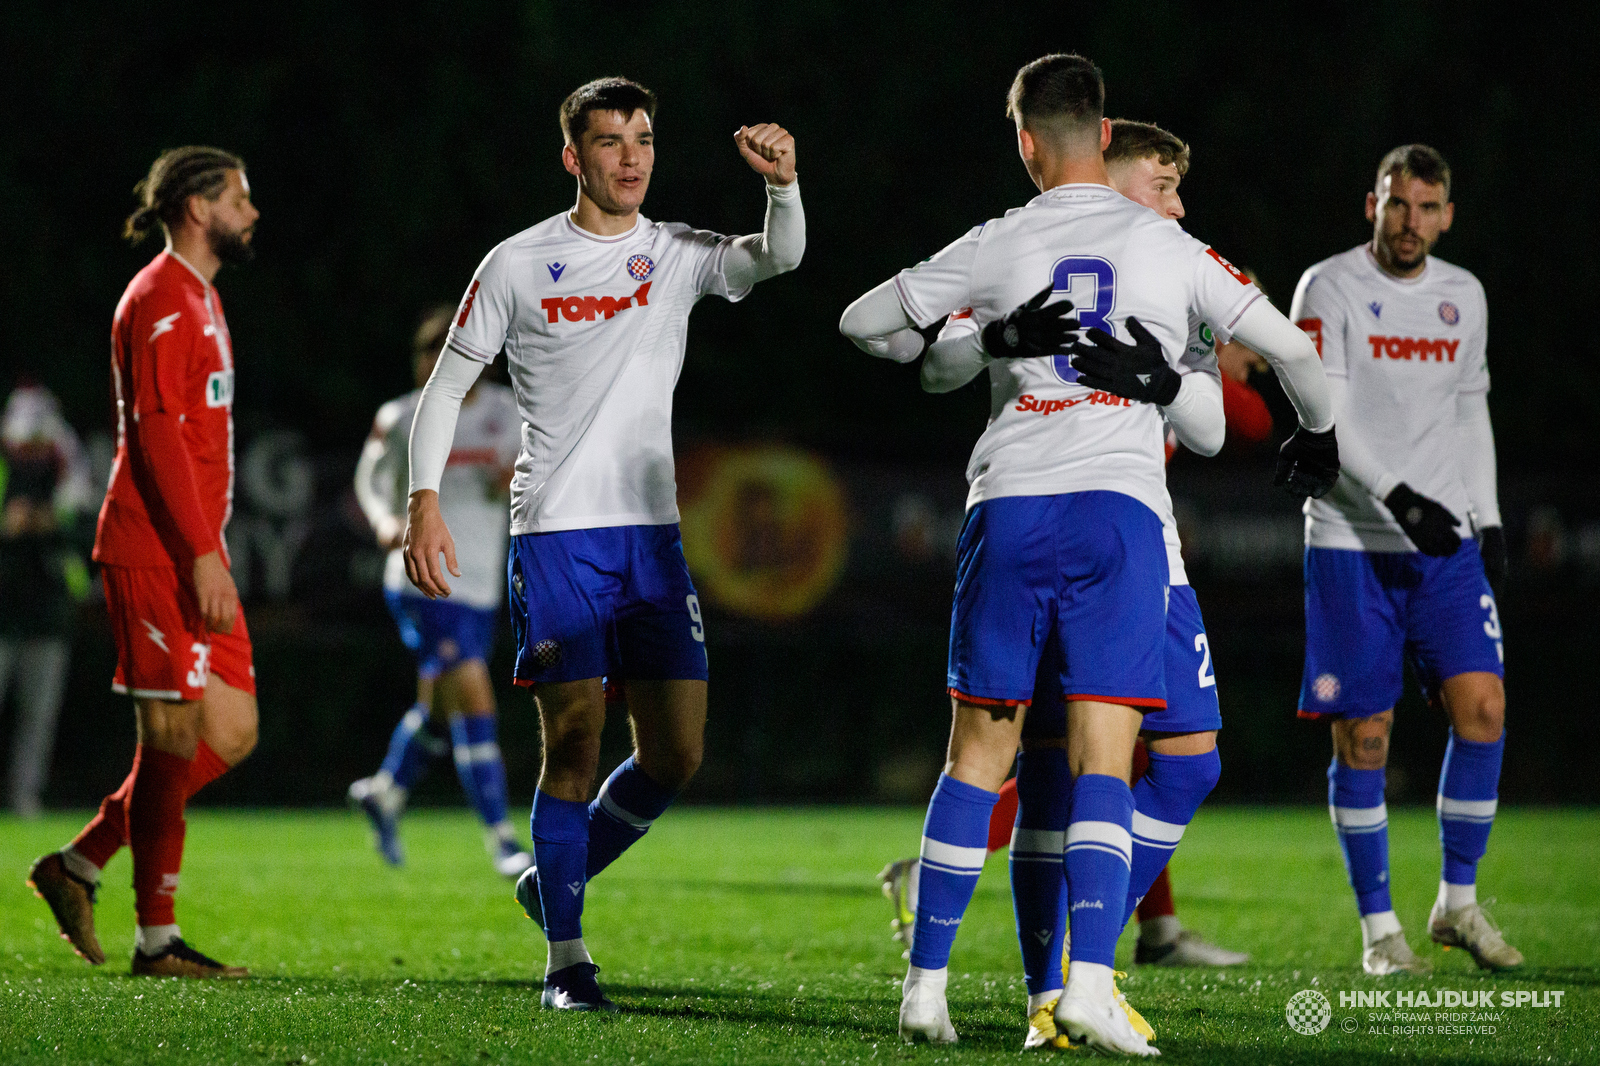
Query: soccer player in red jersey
(183, 650)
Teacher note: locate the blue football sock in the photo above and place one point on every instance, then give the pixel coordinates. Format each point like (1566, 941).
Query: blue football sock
(479, 766)
(412, 748)
(1469, 787)
(955, 842)
(1099, 854)
(1361, 818)
(1165, 800)
(622, 813)
(560, 844)
(1038, 881)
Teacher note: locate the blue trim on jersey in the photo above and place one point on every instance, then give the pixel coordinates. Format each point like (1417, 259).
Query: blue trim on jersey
(1367, 612)
(442, 635)
(1083, 571)
(1192, 706)
(614, 601)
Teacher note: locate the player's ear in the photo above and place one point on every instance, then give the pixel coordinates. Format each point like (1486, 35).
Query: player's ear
(569, 159)
(1025, 145)
(1372, 207)
(1105, 134)
(1449, 216)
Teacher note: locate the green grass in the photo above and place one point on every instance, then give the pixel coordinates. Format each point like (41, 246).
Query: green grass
(750, 937)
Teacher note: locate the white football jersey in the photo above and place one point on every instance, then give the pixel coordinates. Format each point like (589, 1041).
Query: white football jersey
(470, 497)
(1113, 258)
(1406, 349)
(594, 331)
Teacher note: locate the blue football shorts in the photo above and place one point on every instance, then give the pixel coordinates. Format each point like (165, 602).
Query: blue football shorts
(442, 634)
(614, 602)
(1081, 573)
(1191, 684)
(1367, 612)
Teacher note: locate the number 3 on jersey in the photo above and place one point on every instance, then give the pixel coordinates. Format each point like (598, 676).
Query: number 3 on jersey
(1090, 282)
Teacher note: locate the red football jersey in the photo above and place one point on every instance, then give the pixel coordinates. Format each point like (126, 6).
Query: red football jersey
(170, 353)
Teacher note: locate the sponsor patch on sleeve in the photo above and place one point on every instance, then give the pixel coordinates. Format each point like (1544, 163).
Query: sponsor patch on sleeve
(1238, 275)
(1313, 328)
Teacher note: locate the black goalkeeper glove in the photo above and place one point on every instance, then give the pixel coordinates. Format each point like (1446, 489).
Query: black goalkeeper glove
(1492, 546)
(1031, 330)
(1137, 371)
(1429, 524)
(1308, 463)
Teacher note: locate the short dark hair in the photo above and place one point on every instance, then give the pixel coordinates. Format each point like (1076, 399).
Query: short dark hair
(1056, 90)
(1131, 141)
(176, 175)
(1416, 161)
(604, 94)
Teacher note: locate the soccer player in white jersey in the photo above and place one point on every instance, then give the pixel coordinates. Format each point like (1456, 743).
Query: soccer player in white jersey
(450, 638)
(1404, 339)
(591, 307)
(1146, 164)
(1062, 545)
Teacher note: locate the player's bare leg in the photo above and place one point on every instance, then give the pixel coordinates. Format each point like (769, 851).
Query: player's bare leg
(1476, 704)
(1362, 744)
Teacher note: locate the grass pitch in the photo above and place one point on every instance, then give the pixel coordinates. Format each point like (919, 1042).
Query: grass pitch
(758, 936)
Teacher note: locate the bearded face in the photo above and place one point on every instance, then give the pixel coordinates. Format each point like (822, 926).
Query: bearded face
(229, 244)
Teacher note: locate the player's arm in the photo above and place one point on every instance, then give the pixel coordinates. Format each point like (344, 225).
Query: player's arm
(159, 365)
(1309, 461)
(878, 325)
(375, 480)
(432, 431)
(1191, 399)
(777, 249)
(956, 357)
(885, 321)
(1197, 415)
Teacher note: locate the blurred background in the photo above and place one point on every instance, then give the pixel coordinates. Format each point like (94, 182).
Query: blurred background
(822, 491)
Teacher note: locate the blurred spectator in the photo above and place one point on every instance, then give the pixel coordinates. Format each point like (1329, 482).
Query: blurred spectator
(44, 482)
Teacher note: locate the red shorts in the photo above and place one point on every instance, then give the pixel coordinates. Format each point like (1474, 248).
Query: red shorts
(164, 650)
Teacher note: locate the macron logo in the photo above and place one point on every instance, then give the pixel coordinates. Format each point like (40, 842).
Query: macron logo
(165, 325)
(1376, 308)
(158, 638)
(555, 270)
(575, 887)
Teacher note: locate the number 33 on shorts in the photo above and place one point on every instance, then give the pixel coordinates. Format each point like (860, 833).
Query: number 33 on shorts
(202, 665)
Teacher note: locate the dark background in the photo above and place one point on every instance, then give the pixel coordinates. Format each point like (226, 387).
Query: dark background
(390, 149)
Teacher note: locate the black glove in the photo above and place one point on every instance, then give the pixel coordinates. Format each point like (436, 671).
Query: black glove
(1137, 371)
(1031, 330)
(1429, 524)
(1308, 463)
(1492, 546)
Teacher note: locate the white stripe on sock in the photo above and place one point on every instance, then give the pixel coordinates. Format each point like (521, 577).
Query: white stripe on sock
(414, 719)
(484, 751)
(953, 858)
(1467, 810)
(1038, 840)
(621, 814)
(1106, 835)
(1149, 829)
(1360, 819)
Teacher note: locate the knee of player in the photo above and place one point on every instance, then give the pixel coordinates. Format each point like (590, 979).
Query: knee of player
(673, 767)
(1484, 717)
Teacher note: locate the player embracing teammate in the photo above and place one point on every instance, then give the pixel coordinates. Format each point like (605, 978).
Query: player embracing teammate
(1404, 340)
(1062, 557)
(183, 650)
(591, 307)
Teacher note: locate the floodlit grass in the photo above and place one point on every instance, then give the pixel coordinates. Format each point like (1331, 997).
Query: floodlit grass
(754, 936)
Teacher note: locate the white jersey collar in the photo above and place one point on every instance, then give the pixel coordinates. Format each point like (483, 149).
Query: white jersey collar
(638, 220)
(1076, 190)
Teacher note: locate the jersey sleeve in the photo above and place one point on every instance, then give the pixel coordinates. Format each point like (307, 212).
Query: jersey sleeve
(484, 317)
(707, 255)
(1222, 292)
(161, 338)
(1475, 374)
(941, 284)
(1318, 309)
